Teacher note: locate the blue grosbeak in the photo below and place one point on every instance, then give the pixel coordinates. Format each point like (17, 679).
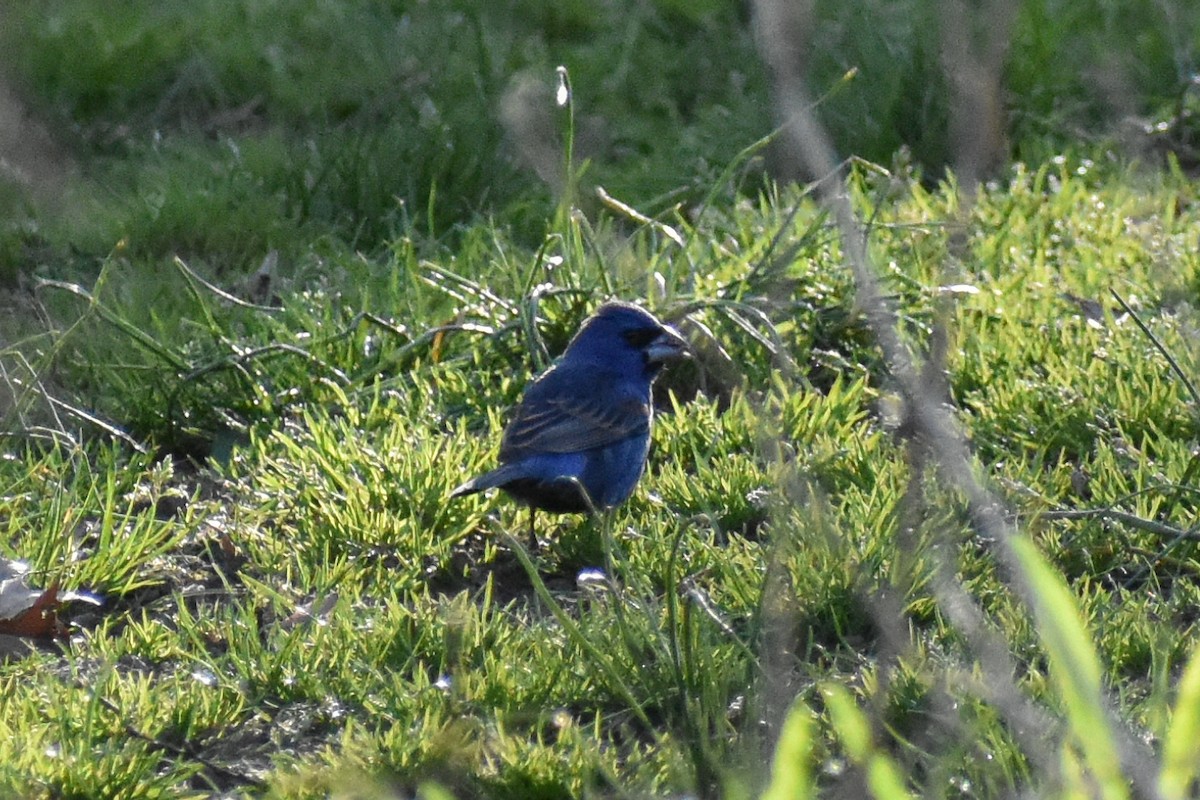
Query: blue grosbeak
(579, 437)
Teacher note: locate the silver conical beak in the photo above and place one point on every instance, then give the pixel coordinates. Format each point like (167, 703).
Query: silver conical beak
(668, 346)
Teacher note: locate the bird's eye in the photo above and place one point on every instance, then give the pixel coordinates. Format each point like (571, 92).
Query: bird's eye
(640, 337)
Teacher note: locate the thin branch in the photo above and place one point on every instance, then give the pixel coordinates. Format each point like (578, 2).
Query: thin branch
(1125, 518)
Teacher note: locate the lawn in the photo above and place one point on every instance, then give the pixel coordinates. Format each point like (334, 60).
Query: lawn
(917, 521)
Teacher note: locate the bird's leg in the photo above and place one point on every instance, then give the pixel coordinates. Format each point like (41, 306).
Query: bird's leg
(533, 542)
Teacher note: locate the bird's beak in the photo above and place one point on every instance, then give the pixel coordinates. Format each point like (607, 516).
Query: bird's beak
(668, 346)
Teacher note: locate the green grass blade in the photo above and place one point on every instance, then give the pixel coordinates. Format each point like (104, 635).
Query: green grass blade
(1181, 746)
(790, 774)
(1074, 667)
(884, 778)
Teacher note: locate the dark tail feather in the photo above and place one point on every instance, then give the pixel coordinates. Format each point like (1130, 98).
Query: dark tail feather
(470, 487)
(488, 480)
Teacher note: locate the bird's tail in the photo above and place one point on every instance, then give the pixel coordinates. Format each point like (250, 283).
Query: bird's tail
(470, 487)
(488, 480)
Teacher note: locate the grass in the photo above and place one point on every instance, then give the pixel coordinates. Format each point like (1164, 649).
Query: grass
(252, 468)
(317, 617)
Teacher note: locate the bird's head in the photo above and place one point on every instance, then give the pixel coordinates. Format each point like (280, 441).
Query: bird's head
(624, 336)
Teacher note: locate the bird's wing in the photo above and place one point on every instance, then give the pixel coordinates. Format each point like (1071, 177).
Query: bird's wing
(574, 408)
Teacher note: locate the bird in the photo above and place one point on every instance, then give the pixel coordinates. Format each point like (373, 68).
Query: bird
(578, 439)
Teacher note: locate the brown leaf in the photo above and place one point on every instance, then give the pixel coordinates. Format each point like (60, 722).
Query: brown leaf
(39, 620)
(25, 611)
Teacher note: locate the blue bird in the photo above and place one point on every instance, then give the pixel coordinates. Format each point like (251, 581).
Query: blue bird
(578, 439)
